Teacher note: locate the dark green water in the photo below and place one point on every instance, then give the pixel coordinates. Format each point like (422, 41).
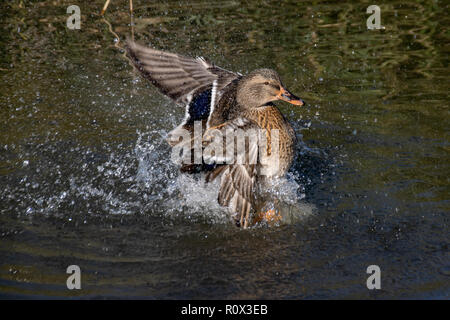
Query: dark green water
(85, 175)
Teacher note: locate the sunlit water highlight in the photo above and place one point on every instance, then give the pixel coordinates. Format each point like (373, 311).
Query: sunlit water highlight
(85, 175)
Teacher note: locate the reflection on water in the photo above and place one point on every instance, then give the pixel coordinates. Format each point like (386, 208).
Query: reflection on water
(86, 180)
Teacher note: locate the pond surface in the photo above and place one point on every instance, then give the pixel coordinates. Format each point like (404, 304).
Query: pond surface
(86, 180)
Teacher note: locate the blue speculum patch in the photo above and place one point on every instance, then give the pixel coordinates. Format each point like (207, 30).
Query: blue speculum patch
(200, 106)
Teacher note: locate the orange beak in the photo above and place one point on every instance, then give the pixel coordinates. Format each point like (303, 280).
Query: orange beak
(289, 97)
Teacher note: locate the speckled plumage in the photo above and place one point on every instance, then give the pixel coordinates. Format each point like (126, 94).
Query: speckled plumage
(225, 101)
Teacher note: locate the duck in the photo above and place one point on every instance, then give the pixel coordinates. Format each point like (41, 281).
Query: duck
(224, 102)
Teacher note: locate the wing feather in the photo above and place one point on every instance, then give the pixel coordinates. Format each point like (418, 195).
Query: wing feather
(238, 180)
(175, 75)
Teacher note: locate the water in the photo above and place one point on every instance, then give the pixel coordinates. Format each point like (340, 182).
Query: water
(86, 177)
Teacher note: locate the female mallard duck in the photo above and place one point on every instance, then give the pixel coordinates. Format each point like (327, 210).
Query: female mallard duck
(225, 101)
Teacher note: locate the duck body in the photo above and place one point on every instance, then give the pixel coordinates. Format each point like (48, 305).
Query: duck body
(224, 102)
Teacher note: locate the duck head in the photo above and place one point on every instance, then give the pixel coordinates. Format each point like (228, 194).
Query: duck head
(261, 87)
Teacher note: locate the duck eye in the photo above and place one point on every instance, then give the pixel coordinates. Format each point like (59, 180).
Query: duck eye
(266, 83)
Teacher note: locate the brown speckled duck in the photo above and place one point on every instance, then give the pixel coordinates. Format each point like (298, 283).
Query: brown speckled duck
(225, 101)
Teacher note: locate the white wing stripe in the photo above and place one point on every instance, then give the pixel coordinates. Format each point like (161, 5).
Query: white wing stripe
(213, 101)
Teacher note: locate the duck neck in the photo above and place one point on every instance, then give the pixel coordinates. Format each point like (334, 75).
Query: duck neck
(245, 95)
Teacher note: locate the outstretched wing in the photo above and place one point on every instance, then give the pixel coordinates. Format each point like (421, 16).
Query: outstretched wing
(176, 76)
(238, 168)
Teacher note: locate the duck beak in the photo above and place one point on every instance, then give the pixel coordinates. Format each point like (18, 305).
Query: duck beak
(289, 97)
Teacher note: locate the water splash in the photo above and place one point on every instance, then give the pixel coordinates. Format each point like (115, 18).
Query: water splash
(118, 178)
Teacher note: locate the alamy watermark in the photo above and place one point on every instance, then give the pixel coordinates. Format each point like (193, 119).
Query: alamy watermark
(73, 22)
(374, 20)
(74, 280)
(374, 281)
(229, 146)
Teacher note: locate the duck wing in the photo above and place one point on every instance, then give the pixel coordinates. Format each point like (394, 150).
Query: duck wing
(178, 77)
(239, 168)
